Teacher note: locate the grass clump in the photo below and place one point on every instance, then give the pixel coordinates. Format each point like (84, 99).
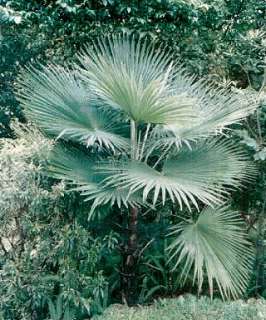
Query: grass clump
(189, 308)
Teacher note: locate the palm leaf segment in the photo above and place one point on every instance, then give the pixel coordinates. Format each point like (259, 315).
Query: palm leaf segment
(214, 245)
(214, 110)
(82, 174)
(136, 78)
(202, 173)
(124, 77)
(62, 106)
(143, 81)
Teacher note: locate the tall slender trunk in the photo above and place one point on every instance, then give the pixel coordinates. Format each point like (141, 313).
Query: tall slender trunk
(129, 281)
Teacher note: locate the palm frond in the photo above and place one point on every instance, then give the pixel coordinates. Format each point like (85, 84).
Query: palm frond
(216, 109)
(213, 247)
(80, 172)
(143, 81)
(137, 78)
(56, 100)
(203, 173)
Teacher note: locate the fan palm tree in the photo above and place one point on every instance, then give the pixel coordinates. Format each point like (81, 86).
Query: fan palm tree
(150, 135)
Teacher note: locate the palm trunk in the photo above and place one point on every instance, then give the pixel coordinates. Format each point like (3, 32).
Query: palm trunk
(130, 259)
(129, 280)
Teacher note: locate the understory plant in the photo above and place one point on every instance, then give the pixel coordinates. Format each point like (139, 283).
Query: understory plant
(136, 133)
(48, 255)
(252, 137)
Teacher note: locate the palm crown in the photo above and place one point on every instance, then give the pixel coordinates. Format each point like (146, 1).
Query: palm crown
(150, 130)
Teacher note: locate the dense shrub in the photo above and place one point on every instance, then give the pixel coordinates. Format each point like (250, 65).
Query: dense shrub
(47, 250)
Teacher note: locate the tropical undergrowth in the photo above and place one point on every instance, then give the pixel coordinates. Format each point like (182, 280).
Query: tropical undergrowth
(48, 252)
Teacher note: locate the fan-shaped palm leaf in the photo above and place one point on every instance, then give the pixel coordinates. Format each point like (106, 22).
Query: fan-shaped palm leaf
(81, 172)
(216, 110)
(137, 78)
(194, 174)
(60, 104)
(214, 245)
(144, 82)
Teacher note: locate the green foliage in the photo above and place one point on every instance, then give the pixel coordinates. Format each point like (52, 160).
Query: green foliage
(217, 235)
(158, 276)
(189, 308)
(252, 201)
(132, 82)
(223, 39)
(46, 247)
(57, 310)
(128, 76)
